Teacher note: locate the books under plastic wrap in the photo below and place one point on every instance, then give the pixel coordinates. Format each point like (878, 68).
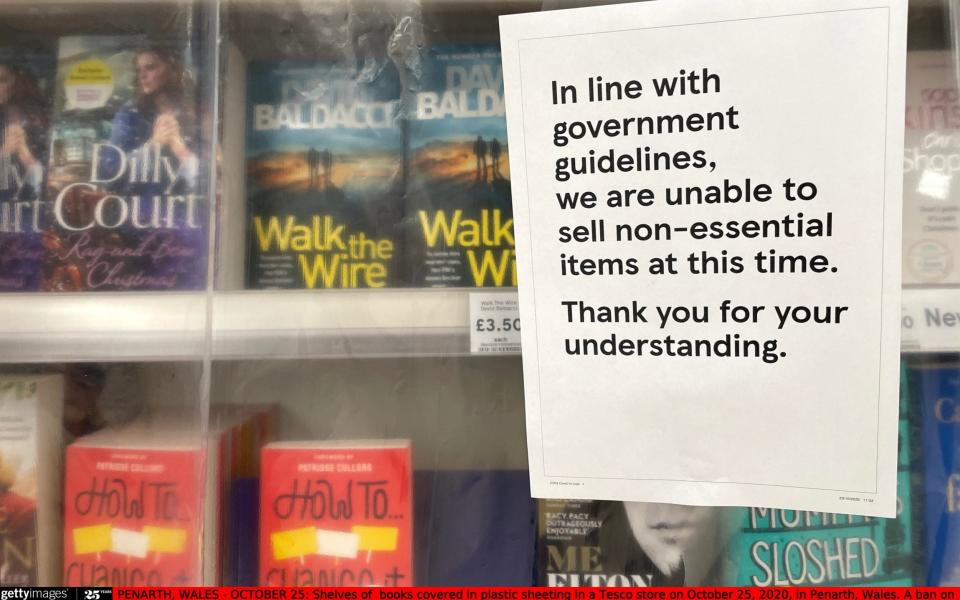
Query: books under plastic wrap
(324, 181)
(931, 166)
(474, 528)
(336, 514)
(938, 391)
(628, 544)
(26, 75)
(145, 503)
(459, 212)
(31, 436)
(794, 547)
(125, 183)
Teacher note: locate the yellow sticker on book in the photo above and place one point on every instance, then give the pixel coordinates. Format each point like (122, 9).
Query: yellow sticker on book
(89, 84)
(379, 539)
(293, 543)
(166, 539)
(94, 538)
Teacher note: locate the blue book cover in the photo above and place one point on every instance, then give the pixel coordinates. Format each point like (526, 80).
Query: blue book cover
(26, 92)
(473, 528)
(459, 213)
(324, 175)
(938, 392)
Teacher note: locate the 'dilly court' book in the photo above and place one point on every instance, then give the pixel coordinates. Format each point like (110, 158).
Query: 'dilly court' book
(125, 180)
(324, 179)
(459, 216)
(31, 425)
(26, 74)
(336, 514)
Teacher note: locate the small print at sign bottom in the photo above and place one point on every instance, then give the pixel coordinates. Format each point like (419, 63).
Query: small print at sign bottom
(494, 323)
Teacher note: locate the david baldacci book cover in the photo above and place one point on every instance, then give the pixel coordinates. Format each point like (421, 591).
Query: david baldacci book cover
(324, 180)
(459, 212)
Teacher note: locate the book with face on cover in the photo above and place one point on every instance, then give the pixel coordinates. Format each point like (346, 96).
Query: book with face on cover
(458, 223)
(26, 76)
(594, 543)
(324, 181)
(336, 513)
(126, 183)
(31, 476)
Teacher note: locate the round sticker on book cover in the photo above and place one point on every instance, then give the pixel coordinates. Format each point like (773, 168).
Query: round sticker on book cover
(88, 85)
(930, 261)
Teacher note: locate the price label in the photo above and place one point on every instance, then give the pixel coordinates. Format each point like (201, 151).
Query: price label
(494, 323)
(930, 320)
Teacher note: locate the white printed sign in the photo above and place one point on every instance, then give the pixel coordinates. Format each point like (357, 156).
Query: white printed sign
(707, 203)
(494, 322)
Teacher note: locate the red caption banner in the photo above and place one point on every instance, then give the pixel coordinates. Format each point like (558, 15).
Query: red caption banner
(535, 593)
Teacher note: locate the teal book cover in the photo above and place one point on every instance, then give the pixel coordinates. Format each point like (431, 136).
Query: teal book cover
(774, 547)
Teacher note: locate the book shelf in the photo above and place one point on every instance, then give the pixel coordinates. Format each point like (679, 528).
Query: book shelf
(364, 364)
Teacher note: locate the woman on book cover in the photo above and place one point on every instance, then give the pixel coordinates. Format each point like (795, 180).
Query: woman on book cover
(158, 122)
(22, 127)
(674, 545)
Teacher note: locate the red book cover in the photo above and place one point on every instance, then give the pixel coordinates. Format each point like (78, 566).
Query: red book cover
(336, 513)
(132, 516)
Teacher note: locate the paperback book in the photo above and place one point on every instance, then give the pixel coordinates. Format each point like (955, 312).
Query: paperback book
(938, 390)
(26, 77)
(336, 514)
(324, 181)
(593, 543)
(931, 164)
(792, 547)
(125, 184)
(459, 215)
(148, 503)
(31, 426)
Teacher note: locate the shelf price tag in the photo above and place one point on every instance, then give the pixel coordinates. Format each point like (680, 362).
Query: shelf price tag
(930, 320)
(494, 323)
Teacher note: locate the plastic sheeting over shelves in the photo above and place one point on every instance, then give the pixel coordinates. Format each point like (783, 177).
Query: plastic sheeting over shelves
(249, 324)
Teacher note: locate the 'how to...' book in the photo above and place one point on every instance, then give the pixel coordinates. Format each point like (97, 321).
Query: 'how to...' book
(459, 212)
(147, 503)
(324, 180)
(336, 514)
(125, 182)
